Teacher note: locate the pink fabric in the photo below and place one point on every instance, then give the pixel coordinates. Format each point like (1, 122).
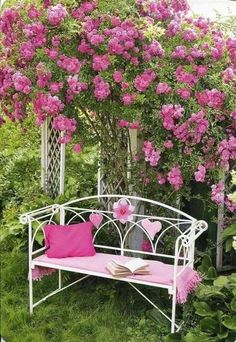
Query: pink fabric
(159, 272)
(39, 272)
(73, 240)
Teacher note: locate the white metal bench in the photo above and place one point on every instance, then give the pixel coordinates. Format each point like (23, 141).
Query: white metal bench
(176, 225)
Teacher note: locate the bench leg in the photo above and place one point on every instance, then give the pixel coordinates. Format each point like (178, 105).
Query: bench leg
(30, 291)
(173, 312)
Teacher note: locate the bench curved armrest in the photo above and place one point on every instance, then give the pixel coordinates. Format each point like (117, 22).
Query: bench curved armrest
(39, 213)
(185, 246)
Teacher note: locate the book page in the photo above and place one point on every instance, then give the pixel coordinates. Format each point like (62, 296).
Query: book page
(133, 264)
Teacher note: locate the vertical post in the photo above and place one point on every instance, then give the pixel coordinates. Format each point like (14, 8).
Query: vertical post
(62, 169)
(30, 268)
(136, 236)
(44, 153)
(220, 222)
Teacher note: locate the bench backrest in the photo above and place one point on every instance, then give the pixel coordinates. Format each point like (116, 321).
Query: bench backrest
(170, 224)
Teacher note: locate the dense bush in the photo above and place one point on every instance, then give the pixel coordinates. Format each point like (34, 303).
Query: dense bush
(150, 67)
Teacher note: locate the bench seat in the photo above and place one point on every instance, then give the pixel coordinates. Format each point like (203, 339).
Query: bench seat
(161, 274)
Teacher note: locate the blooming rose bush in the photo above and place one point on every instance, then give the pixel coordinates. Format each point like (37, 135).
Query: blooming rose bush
(159, 71)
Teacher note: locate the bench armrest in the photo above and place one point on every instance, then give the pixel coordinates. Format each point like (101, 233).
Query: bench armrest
(39, 213)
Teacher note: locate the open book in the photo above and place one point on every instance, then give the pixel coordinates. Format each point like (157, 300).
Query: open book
(135, 266)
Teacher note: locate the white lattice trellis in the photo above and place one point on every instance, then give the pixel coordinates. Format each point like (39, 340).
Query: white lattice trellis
(52, 161)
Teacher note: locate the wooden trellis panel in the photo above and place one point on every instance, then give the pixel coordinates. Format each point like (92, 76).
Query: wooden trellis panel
(52, 161)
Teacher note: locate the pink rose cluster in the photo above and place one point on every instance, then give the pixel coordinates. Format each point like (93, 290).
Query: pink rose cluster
(128, 99)
(46, 104)
(101, 62)
(153, 50)
(70, 64)
(56, 14)
(43, 75)
(169, 113)
(65, 125)
(231, 46)
(101, 88)
(163, 88)
(227, 151)
(131, 125)
(36, 34)
(5, 81)
(151, 154)
(142, 82)
(175, 178)
(217, 193)
(193, 129)
(162, 10)
(21, 83)
(211, 98)
(84, 9)
(8, 20)
(200, 174)
(75, 87)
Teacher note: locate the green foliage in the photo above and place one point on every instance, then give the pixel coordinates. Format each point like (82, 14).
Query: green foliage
(227, 236)
(214, 306)
(20, 188)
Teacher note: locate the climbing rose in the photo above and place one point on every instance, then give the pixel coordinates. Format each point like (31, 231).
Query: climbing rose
(70, 64)
(21, 83)
(128, 99)
(27, 51)
(123, 123)
(143, 81)
(33, 13)
(151, 155)
(118, 76)
(56, 14)
(101, 63)
(175, 178)
(101, 88)
(77, 148)
(217, 193)
(211, 98)
(163, 88)
(200, 174)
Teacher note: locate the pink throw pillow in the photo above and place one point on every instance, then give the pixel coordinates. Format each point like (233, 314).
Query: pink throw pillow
(69, 240)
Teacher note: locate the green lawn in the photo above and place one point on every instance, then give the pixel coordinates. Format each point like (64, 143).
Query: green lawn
(95, 310)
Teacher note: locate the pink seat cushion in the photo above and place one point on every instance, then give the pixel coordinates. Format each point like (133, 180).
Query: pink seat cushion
(73, 240)
(160, 272)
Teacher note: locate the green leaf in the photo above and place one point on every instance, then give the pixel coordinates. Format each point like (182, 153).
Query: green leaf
(208, 324)
(233, 304)
(208, 291)
(223, 334)
(203, 309)
(205, 265)
(229, 231)
(199, 337)
(232, 278)
(228, 244)
(234, 291)
(230, 322)
(211, 273)
(221, 281)
(176, 337)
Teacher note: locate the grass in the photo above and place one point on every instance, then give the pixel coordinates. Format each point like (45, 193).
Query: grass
(96, 310)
